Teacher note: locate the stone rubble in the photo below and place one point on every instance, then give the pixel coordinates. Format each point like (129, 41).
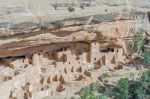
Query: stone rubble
(45, 50)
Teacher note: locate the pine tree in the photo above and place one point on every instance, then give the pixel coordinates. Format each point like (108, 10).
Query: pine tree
(121, 90)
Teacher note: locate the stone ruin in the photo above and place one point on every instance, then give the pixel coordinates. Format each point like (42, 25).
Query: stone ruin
(45, 50)
(56, 68)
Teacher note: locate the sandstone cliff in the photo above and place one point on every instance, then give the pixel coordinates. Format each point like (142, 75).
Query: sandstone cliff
(27, 23)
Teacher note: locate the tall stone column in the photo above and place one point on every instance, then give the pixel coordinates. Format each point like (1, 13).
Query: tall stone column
(36, 63)
(94, 53)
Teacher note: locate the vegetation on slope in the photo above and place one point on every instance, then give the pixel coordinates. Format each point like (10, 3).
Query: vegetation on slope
(89, 92)
(121, 90)
(138, 44)
(147, 57)
(138, 47)
(124, 89)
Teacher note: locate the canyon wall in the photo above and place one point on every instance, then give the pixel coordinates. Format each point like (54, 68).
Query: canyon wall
(27, 23)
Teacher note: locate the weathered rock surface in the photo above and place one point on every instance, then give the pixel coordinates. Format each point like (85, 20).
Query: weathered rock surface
(26, 23)
(56, 47)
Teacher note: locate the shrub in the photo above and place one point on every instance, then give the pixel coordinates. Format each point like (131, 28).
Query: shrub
(102, 97)
(85, 90)
(71, 9)
(121, 90)
(94, 86)
(136, 90)
(145, 81)
(138, 43)
(139, 89)
(89, 96)
(102, 89)
(147, 57)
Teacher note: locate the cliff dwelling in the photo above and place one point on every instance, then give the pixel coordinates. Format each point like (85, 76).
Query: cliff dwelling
(56, 47)
(55, 66)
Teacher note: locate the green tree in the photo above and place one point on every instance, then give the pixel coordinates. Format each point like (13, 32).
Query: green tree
(140, 88)
(89, 96)
(145, 81)
(102, 97)
(102, 89)
(94, 86)
(138, 43)
(121, 90)
(136, 90)
(85, 90)
(147, 57)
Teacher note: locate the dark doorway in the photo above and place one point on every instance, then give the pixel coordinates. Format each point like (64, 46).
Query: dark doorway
(149, 16)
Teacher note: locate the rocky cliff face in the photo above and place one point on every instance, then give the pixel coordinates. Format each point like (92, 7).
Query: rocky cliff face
(27, 23)
(56, 47)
